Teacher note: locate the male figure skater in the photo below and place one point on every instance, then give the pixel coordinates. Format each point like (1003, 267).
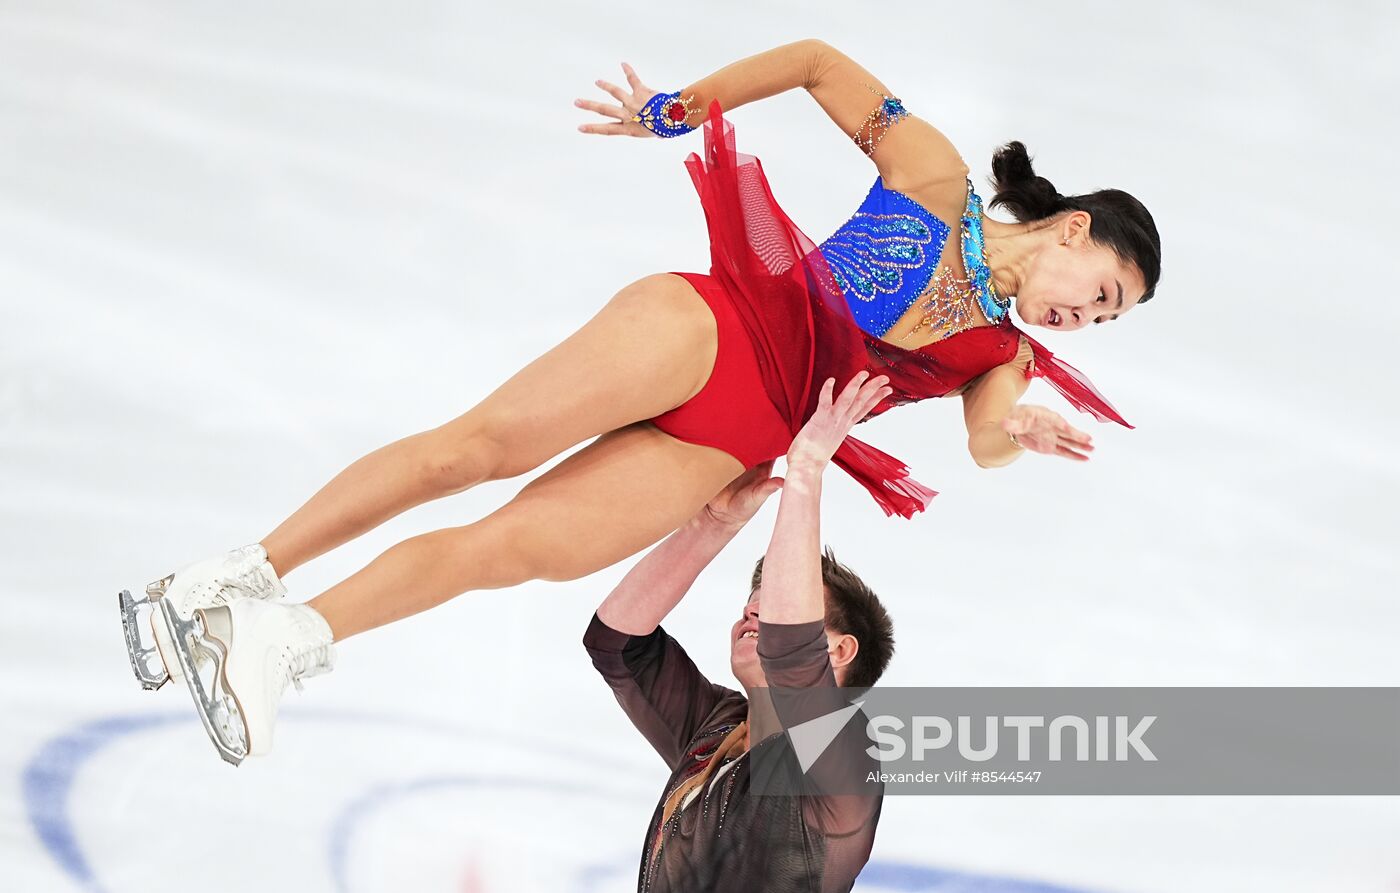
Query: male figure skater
(810, 624)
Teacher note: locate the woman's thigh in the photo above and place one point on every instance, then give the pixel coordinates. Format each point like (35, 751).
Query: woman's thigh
(649, 349)
(613, 498)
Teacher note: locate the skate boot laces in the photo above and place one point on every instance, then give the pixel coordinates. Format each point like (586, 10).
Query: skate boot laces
(244, 571)
(248, 569)
(311, 662)
(309, 652)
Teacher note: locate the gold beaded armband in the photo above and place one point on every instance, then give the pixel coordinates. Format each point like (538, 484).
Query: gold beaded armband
(871, 131)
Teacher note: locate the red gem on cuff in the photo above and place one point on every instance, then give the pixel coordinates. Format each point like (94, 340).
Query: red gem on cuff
(676, 112)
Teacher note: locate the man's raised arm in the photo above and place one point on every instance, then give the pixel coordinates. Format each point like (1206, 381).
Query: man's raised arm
(662, 578)
(793, 644)
(792, 569)
(654, 680)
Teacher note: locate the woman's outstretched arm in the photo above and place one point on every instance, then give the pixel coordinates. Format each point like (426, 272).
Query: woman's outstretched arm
(988, 400)
(911, 153)
(993, 416)
(739, 83)
(757, 77)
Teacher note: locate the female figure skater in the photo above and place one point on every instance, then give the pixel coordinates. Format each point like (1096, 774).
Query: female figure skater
(687, 380)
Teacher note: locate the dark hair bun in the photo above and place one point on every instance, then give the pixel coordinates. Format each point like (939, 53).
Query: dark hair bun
(1018, 189)
(1120, 221)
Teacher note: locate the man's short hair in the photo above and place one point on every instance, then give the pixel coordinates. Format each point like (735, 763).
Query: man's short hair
(852, 608)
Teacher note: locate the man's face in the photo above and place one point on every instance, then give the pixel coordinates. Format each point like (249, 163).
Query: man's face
(743, 645)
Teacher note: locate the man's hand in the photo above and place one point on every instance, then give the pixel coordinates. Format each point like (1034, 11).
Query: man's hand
(652, 588)
(738, 502)
(792, 566)
(819, 439)
(1042, 430)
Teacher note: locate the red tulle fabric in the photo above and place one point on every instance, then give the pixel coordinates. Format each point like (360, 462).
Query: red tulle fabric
(803, 332)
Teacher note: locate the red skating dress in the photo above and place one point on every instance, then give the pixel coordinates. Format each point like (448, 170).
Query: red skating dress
(785, 326)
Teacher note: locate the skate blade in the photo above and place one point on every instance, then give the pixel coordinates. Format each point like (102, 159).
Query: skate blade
(146, 662)
(216, 706)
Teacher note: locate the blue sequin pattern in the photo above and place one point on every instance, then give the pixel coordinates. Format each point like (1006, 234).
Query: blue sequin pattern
(883, 257)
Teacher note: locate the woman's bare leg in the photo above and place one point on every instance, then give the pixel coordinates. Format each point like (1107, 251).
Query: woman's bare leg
(649, 349)
(609, 500)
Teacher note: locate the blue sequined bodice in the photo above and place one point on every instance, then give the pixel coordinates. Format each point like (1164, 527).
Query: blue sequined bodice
(885, 255)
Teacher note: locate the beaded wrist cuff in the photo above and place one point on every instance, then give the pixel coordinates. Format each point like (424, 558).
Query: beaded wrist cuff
(665, 114)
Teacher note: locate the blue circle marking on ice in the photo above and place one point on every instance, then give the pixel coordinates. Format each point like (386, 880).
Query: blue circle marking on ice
(904, 877)
(47, 779)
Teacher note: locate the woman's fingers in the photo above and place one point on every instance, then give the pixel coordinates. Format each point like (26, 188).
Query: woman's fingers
(632, 80)
(611, 111)
(1065, 429)
(1069, 453)
(1014, 424)
(1051, 445)
(617, 92)
(1075, 437)
(616, 128)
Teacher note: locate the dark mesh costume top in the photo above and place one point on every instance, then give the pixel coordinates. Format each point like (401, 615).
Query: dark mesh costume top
(727, 838)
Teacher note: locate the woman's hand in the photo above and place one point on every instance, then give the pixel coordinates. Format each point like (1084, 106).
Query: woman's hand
(737, 503)
(628, 106)
(822, 435)
(1043, 431)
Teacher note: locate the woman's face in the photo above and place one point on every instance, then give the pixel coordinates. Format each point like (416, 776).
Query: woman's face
(1070, 286)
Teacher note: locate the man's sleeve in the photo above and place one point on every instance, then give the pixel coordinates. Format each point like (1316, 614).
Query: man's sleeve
(803, 685)
(659, 687)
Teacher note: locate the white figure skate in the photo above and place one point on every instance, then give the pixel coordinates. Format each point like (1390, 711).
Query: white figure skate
(254, 650)
(243, 572)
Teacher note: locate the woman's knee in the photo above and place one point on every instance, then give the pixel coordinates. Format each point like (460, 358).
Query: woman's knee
(505, 549)
(451, 458)
(527, 546)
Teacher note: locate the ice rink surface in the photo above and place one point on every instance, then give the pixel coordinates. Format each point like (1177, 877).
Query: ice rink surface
(242, 245)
